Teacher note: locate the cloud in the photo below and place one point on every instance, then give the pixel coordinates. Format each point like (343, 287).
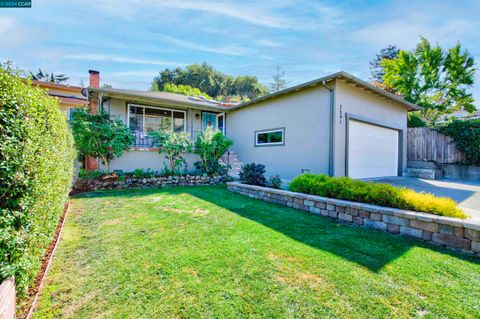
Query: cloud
(120, 59)
(226, 49)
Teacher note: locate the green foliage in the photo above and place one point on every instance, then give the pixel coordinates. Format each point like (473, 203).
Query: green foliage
(466, 134)
(140, 173)
(49, 77)
(100, 136)
(253, 174)
(183, 89)
(376, 68)
(210, 81)
(415, 120)
(432, 78)
(83, 173)
(274, 182)
(210, 146)
(36, 169)
(174, 145)
(374, 193)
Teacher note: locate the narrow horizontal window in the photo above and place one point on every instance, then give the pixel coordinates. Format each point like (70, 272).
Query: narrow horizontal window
(270, 137)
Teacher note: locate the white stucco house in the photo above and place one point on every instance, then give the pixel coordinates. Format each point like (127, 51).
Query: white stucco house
(337, 125)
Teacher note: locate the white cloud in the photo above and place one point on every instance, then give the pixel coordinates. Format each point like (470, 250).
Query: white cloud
(119, 59)
(226, 49)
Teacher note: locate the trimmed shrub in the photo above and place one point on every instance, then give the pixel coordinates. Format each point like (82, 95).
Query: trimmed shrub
(274, 182)
(375, 193)
(414, 120)
(210, 146)
(253, 174)
(36, 169)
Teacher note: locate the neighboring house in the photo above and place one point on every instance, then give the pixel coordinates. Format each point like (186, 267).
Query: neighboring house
(337, 125)
(462, 115)
(69, 97)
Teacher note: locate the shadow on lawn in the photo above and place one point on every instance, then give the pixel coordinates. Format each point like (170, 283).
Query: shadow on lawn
(367, 247)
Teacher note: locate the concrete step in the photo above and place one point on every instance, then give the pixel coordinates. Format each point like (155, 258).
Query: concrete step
(424, 173)
(422, 164)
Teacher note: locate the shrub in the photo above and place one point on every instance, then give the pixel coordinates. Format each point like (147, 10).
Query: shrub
(83, 173)
(210, 146)
(274, 182)
(140, 173)
(36, 169)
(100, 136)
(375, 193)
(414, 120)
(253, 174)
(466, 134)
(174, 145)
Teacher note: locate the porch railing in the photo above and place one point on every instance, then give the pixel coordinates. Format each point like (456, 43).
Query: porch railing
(144, 141)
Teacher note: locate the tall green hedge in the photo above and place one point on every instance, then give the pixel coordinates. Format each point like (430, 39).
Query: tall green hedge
(466, 134)
(36, 169)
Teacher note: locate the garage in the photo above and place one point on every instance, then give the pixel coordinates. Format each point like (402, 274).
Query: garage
(373, 150)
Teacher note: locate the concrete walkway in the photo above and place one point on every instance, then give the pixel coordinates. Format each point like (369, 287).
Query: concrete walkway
(465, 193)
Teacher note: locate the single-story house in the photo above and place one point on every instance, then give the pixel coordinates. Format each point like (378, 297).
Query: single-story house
(69, 96)
(337, 125)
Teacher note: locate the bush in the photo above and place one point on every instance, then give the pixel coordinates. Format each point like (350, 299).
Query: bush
(140, 173)
(375, 193)
(274, 182)
(210, 146)
(174, 145)
(100, 135)
(253, 174)
(36, 169)
(414, 120)
(466, 134)
(83, 173)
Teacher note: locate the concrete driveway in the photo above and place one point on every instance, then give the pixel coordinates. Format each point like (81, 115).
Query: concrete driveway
(465, 193)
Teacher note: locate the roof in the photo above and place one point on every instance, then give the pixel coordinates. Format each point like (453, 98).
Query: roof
(339, 75)
(165, 97)
(200, 102)
(66, 87)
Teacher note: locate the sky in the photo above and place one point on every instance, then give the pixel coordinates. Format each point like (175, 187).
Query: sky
(130, 41)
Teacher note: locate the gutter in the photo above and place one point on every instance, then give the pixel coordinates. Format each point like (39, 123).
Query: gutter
(331, 144)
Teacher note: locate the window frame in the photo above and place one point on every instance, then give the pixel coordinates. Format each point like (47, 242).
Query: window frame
(158, 108)
(279, 129)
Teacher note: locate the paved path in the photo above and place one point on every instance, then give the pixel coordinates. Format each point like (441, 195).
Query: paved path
(465, 193)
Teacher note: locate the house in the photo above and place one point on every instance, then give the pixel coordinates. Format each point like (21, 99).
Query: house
(337, 125)
(69, 96)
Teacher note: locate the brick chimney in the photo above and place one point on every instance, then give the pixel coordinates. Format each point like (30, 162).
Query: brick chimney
(91, 164)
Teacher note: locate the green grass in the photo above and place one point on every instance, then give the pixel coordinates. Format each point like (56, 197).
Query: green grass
(203, 252)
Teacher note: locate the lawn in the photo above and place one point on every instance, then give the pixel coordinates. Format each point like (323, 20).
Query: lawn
(203, 252)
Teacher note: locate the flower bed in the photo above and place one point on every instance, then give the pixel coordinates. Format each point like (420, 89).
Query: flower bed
(116, 182)
(439, 230)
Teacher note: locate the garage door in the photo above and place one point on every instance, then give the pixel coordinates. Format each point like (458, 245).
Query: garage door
(372, 150)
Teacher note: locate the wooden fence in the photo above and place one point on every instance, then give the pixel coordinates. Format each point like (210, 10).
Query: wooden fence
(425, 144)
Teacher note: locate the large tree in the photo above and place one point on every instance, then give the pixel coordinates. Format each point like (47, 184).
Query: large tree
(435, 79)
(278, 80)
(210, 81)
(376, 68)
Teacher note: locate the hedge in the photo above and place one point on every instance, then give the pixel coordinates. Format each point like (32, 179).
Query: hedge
(36, 169)
(466, 134)
(375, 193)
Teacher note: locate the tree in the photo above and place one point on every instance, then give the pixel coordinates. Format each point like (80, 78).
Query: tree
(432, 78)
(279, 82)
(174, 145)
(106, 86)
(376, 68)
(210, 146)
(49, 77)
(209, 81)
(184, 90)
(100, 136)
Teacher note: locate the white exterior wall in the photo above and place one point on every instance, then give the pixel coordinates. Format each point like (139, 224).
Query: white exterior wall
(305, 117)
(357, 102)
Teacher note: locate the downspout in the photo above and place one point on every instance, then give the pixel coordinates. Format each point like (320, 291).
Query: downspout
(331, 144)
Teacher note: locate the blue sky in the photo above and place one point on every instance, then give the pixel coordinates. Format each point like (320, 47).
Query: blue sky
(130, 41)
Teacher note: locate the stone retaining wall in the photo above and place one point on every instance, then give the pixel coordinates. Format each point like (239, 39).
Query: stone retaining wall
(83, 184)
(454, 233)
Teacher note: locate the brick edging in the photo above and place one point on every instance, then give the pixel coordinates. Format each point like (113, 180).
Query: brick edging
(449, 232)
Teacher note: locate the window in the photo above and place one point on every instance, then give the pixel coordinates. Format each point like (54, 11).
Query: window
(270, 137)
(145, 119)
(209, 120)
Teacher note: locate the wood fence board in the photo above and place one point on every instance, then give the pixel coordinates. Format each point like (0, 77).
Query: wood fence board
(424, 144)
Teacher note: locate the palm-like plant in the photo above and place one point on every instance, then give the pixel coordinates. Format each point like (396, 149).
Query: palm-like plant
(49, 77)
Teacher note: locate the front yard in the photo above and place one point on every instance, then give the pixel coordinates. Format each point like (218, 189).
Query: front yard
(203, 252)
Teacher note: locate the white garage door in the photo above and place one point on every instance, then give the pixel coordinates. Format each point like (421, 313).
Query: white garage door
(372, 150)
